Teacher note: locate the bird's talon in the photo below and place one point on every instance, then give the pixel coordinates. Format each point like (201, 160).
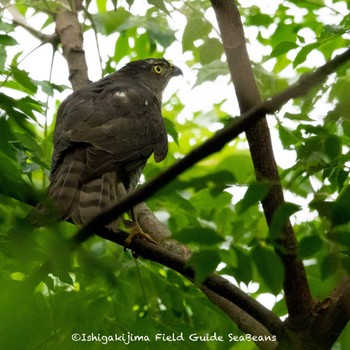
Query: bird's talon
(136, 231)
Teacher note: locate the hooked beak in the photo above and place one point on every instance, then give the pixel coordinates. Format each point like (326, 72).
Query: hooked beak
(176, 71)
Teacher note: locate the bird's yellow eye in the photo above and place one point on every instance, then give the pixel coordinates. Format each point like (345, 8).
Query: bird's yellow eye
(157, 69)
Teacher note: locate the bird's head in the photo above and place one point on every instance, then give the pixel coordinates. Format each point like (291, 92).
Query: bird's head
(153, 72)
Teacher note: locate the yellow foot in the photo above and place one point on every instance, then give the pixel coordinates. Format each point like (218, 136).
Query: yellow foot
(136, 231)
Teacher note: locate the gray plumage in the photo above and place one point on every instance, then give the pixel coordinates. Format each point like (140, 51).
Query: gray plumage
(104, 135)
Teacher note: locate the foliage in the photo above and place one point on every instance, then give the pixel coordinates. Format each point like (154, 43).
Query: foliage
(213, 207)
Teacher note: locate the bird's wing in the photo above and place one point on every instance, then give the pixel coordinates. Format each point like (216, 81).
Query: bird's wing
(119, 122)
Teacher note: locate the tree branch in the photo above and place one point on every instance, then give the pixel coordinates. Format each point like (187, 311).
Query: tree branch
(160, 232)
(214, 283)
(333, 314)
(69, 30)
(212, 145)
(244, 321)
(298, 297)
(21, 21)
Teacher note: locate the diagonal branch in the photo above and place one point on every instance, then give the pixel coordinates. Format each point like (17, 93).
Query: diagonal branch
(213, 284)
(21, 21)
(212, 145)
(244, 321)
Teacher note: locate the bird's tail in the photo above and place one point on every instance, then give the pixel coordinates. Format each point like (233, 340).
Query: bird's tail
(72, 200)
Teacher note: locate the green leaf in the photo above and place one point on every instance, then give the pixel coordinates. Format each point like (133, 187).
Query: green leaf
(241, 165)
(29, 142)
(303, 53)
(288, 137)
(159, 32)
(309, 246)
(282, 48)
(255, 193)
(23, 78)
(6, 27)
(280, 308)
(101, 5)
(329, 265)
(213, 184)
(345, 260)
(324, 208)
(211, 50)
(48, 87)
(341, 209)
(23, 310)
(331, 30)
(298, 116)
(7, 40)
(159, 4)
(342, 177)
(201, 199)
(12, 184)
(65, 277)
(204, 263)
(211, 71)
(145, 45)
(122, 47)
(3, 56)
(340, 235)
(111, 21)
(269, 267)
(195, 29)
(280, 218)
(198, 235)
(243, 271)
(8, 168)
(333, 146)
(338, 93)
(284, 33)
(28, 105)
(171, 129)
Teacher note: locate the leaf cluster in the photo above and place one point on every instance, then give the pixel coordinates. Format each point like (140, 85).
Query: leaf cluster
(213, 208)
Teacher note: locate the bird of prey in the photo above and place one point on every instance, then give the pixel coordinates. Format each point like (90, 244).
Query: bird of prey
(103, 136)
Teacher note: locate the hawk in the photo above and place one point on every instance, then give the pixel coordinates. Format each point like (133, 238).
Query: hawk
(104, 135)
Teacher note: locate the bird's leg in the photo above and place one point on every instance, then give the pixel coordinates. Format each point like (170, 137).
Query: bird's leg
(136, 230)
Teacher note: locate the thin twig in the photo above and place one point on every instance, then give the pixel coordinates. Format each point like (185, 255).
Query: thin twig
(21, 21)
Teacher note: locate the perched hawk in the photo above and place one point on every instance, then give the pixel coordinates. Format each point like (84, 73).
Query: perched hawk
(104, 135)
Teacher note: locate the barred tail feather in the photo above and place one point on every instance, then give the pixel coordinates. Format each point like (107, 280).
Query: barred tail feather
(97, 195)
(76, 200)
(66, 183)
